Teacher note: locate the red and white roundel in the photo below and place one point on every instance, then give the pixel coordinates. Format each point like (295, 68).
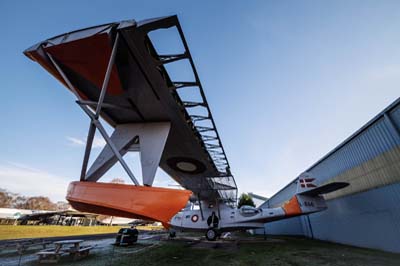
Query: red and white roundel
(195, 218)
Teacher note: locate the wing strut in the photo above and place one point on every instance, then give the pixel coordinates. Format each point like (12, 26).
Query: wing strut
(148, 138)
(95, 123)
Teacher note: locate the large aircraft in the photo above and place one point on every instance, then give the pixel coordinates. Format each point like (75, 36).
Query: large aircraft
(120, 76)
(308, 199)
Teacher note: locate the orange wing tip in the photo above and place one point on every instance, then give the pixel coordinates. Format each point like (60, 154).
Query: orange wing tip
(140, 202)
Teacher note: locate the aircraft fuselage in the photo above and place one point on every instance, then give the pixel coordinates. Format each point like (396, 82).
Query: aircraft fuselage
(246, 217)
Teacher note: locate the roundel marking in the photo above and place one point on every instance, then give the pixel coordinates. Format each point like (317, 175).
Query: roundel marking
(195, 218)
(186, 165)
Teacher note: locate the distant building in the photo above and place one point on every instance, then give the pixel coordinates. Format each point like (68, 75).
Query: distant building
(11, 215)
(68, 218)
(71, 217)
(367, 213)
(117, 220)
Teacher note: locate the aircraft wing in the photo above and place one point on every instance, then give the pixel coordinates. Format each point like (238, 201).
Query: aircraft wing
(141, 90)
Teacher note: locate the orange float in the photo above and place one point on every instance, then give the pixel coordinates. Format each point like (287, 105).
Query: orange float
(140, 202)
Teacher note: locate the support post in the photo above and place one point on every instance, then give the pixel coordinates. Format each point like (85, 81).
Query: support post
(89, 142)
(309, 226)
(265, 233)
(201, 208)
(219, 212)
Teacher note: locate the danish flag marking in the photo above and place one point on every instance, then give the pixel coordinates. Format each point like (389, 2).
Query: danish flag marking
(307, 182)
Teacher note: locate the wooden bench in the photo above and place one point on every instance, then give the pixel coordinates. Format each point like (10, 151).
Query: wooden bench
(22, 245)
(81, 253)
(53, 255)
(50, 255)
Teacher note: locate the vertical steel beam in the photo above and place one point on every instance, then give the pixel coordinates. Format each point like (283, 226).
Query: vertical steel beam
(309, 226)
(201, 208)
(88, 148)
(219, 211)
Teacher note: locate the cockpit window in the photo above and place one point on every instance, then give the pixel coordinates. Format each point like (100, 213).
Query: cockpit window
(248, 210)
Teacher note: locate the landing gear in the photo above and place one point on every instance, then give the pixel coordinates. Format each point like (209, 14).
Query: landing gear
(211, 235)
(172, 234)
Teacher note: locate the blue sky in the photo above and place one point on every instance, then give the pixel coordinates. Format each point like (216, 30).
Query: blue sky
(286, 81)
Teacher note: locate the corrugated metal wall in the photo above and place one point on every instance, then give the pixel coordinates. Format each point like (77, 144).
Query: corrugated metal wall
(366, 213)
(369, 219)
(291, 226)
(285, 194)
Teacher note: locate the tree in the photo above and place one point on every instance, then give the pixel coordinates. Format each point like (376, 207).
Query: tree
(11, 200)
(40, 203)
(118, 180)
(5, 199)
(245, 199)
(14, 200)
(62, 206)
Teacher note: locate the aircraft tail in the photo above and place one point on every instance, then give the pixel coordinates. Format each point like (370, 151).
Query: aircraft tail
(308, 197)
(306, 186)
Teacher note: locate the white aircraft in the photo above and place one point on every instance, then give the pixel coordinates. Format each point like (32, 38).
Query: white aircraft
(117, 74)
(217, 218)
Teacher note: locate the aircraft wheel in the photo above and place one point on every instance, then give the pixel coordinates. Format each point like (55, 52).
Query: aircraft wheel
(211, 235)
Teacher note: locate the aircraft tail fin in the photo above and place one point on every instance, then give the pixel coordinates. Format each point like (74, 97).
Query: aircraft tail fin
(325, 189)
(306, 186)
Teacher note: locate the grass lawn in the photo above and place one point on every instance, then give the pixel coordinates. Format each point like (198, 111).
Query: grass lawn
(28, 231)
(288, 252)
(275, 252)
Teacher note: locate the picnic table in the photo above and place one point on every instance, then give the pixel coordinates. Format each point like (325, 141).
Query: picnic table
(24, 244)
(73, 247)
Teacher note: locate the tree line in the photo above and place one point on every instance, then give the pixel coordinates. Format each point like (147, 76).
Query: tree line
(17, 201)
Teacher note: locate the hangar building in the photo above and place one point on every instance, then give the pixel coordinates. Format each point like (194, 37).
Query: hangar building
(366, 213)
